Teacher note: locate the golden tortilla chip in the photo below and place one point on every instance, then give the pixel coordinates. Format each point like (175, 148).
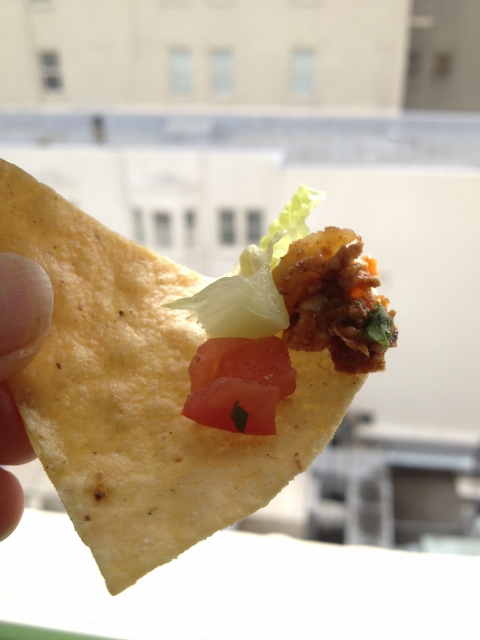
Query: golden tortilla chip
(102, 400)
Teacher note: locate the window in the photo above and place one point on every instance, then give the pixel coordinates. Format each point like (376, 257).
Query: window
(50, 71)
(423, 7)
(254, 226)
(221, 65)
(303, 73)
(414, 63)
(423, 14)
(162, 229)
(181, 79)
(138, 226)
(227, 227)
(190, 224)
(442, 64)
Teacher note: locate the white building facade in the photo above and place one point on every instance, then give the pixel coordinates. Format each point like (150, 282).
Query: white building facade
(301, 55)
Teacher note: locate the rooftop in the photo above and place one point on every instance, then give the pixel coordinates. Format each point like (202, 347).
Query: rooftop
(422, 139)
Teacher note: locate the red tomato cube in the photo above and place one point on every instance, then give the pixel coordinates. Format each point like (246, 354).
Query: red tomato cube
(265, 361)
(236, 405)
(204, 365)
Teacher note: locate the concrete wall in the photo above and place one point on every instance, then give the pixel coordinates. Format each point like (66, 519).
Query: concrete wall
(116, 52)
(423, 226)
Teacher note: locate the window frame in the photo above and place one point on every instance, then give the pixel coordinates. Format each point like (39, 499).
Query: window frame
(162, 228)
(227, 227)
(139, 230)
(190, 227)
(253, 225)
(302, 72)
(180, 63)
(222, 72)
(51, 78)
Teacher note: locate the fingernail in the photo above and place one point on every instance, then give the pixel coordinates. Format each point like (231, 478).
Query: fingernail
(26, 302)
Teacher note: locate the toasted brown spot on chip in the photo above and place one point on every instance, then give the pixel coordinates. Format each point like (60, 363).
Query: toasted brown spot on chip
(298, 464)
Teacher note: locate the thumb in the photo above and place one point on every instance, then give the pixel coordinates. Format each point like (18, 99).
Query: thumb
(26, 305)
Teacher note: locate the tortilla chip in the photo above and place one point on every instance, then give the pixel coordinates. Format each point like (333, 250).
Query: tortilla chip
(102, 400)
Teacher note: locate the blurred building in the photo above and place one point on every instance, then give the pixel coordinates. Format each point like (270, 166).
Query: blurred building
(229, 54)
(187, 124)
(374, 56)
(444, 56)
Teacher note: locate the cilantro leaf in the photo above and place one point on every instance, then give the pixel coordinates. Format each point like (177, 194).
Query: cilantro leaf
(379, 326)
(239, 417)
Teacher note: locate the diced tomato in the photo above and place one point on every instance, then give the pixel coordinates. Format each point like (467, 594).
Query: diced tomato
(235, 405)
(204, 365)
(236, 384)
(265, 361)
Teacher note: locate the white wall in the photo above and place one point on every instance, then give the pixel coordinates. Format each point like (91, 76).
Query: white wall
(423, 226)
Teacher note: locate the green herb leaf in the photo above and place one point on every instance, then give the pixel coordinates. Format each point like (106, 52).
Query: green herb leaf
(379, 326)
(239, 417)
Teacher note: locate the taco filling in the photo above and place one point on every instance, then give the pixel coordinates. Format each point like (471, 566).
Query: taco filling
(316, 290)
(332, 304)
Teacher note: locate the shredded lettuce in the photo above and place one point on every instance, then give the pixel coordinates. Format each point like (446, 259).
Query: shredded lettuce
(247, 304)
(288, 227)
(237, 307)
(290, 224)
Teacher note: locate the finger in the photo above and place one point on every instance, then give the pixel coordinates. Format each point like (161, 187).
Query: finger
(11, 503)
(15, 447)
(26, 305)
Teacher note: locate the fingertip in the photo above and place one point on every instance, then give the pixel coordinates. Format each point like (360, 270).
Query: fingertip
(12, 503)
(26, 307)
(15, 446)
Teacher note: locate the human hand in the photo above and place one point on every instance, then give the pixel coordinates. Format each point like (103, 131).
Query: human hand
(26, 305)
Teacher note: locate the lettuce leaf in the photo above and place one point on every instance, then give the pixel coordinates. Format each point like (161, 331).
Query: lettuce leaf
(291, 224)
(248, 304)
(239, 306)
